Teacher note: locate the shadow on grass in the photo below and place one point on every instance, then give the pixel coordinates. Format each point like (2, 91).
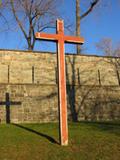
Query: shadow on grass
(52, 140)
(110, 127)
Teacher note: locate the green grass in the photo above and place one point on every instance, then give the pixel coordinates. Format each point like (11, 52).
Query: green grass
(87, 141)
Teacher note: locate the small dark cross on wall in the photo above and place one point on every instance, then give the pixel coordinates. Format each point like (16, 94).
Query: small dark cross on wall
(8, 103)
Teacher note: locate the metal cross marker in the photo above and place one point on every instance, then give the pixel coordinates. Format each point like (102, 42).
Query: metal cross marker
(7, 102)
(60, 38)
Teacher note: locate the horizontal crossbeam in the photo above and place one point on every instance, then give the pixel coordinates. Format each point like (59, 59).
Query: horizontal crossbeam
(10, 103)
(57, 37)
(46, 36)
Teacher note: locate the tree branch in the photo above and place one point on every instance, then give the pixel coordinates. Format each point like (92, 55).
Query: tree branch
(46, 27)
(92, 6)
(17, 19)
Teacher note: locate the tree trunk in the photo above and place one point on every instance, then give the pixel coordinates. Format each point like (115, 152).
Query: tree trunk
(78, 24)
(30, 45)
(30, 48)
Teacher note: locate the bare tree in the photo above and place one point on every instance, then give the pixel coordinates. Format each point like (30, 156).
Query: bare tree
(80, 16)
(108, 49)
(32, 16)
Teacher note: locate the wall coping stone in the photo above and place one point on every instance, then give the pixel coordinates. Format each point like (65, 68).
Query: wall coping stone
(53, 53)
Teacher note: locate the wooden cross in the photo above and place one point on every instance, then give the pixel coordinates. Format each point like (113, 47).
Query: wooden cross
(60, 38)
(8, 103)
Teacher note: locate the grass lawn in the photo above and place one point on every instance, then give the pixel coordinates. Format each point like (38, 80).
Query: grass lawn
(87, 141)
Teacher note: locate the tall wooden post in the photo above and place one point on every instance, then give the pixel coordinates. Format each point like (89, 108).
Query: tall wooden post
(60, 39)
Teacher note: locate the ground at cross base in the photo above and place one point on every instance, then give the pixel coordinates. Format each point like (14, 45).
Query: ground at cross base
(87, 141)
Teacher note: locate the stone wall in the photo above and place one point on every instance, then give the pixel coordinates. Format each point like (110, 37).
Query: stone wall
(93, 87)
